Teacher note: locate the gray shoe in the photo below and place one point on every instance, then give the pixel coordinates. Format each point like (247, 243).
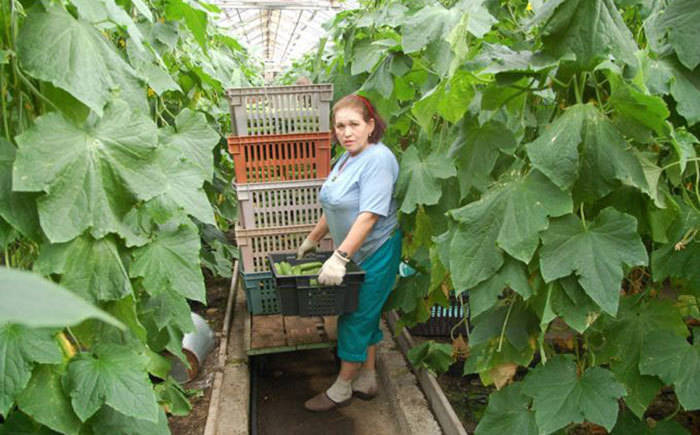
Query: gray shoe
(370, 394)
(321, 402)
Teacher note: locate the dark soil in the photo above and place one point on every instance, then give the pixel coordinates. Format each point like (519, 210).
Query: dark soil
(200, 387)
(469, 397)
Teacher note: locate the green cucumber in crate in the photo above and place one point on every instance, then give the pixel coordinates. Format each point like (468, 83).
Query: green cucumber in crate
(310, 268)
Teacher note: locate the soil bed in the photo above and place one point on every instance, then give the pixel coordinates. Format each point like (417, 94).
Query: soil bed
(200, 387)
(469, 397)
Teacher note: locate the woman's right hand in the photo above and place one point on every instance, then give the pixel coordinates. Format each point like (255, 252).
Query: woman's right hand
(307, 246)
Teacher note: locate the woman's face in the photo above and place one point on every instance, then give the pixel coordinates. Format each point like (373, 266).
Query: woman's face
(351, 129)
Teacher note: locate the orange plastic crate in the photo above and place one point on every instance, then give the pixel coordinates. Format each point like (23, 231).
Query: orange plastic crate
(282, 157)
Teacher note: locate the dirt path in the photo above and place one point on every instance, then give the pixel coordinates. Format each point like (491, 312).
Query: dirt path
(289, 379)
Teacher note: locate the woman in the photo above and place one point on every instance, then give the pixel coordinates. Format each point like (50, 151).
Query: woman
(360, 214)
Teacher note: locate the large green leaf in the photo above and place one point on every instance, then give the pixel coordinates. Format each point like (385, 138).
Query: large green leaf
(628, 424)
(676, 362)
(485, 295)
(409, 292)
(183, 188)
(450, 99)
(555, 151)
(590, 29)
(19, 423)
(476, 151)
(100, 11)
(195, 140)
(366, 54)
(508, 412)
(171, 261)
(606, 160)
(114, 375)
(623, 338)
(680, 20)
(674, 260)
(31, 300)
(195, 19)
(684, 144)
(430, 24)
(666, 76)
(508, 217)
(561, 396)
(494, 58)
(167, 308)
(431, 355)
(605, 157)
(20, 348)
(502, 335)
(596, 252)
(573, 305)
(418, 179)
(636, 107)
(92, 174)
(475, 19)
(110, 421)
(90, 268)
(45, 401)
(149, 64)
(71, 54)
(18, 209)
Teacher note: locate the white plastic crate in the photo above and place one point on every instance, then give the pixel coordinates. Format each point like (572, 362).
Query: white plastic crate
(267, 205)
(254, 245)
(280, 109)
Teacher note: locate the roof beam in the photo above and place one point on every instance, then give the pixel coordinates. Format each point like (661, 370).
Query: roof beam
(279, 4)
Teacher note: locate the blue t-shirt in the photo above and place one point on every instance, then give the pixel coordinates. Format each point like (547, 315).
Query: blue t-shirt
(366, 184)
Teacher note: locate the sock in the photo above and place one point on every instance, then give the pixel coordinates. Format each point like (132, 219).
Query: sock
(340, 391)
(365, 381)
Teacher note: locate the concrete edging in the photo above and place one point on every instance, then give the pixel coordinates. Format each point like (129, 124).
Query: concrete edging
(231, 390)
(408, 403)
(445, 414)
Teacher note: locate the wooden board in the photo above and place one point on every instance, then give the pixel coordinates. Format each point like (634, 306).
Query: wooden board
(303, 330)
(267, 331)
(277, 333)
(330, 324)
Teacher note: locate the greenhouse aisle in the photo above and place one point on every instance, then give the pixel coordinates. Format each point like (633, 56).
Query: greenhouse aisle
(286, 380)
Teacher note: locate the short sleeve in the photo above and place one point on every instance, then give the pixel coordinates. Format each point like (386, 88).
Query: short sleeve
(377, 184)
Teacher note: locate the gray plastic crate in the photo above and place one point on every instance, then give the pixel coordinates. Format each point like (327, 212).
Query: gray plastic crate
(280, 109)
(266, 205)
(254, 245)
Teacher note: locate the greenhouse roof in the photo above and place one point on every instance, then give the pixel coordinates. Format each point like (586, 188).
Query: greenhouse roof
(279, 31)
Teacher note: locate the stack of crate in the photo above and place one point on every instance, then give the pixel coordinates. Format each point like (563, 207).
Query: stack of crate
(281, 147)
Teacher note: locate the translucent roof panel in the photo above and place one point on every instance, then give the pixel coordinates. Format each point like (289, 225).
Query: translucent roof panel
(279, 31)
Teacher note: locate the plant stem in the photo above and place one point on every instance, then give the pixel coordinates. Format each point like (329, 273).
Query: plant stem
(75, 339)
(29, 84)
(583, 218)
(503, 329)
(597, 91)
(697, 181)
(5, 115)
(577, 91)
(675, 412)
(678, 162)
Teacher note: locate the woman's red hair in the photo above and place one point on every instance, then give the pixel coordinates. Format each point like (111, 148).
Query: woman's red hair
(366, 108)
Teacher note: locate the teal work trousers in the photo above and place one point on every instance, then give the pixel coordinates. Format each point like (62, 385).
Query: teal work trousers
(360, 329)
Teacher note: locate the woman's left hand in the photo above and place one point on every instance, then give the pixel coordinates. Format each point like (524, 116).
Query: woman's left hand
(333, 270)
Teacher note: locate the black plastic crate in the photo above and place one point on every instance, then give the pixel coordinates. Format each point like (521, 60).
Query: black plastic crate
(443, 319)
(301, 295)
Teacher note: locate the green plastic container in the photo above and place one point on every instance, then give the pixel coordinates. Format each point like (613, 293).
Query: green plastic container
(261, 293)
